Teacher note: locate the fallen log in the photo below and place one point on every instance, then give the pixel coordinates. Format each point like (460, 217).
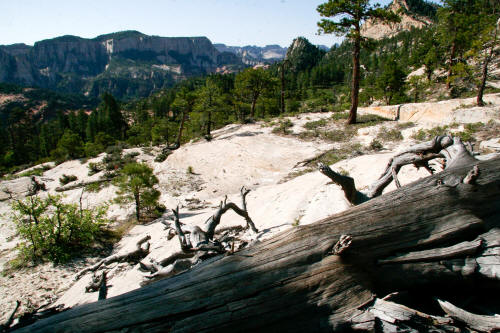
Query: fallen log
(294, 283)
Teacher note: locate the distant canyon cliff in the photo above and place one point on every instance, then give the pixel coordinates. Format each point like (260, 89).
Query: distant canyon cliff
(254, 55)
(127, 64)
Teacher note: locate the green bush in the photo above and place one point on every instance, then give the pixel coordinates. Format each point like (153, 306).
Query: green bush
(33, 172)
(376, 145)
(95, 168)
(340, 135)
(93, 149)
(310, 125)
(66, 179)
(69, 146)
(54, 230)
(292, 106)
(114, 161)
(340, 115)
(424, 135)
(161, 157)
(385, 134)
(283, 127)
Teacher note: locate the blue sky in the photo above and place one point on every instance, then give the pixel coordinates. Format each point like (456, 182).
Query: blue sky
(233, 22)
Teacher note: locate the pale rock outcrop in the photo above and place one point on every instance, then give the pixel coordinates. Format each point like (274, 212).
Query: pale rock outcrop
(376, 30)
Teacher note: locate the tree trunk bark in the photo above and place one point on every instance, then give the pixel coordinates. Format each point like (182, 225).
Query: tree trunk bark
(252, 110)
(209, 124)
(355, 80)
(181, 128)
(282, 87)
(484, 75)
(421, 238)
(450, 68)
(137, 206)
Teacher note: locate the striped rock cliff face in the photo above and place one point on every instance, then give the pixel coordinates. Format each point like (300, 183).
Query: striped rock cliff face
(91, 66)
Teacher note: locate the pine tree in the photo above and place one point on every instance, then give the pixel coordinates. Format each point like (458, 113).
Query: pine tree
(250, 84)
(351, 13)
(391, 81)
(208, 99)
(136, 184)
(110, 118)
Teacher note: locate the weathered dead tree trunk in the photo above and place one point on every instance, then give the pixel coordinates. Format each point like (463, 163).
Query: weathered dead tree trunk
(293, 282)
(196, 244)
(451, 149)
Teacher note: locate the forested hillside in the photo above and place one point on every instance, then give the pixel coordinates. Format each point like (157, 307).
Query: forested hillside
(443, 60)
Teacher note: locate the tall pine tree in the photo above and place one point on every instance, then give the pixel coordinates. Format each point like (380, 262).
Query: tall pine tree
(351, 13)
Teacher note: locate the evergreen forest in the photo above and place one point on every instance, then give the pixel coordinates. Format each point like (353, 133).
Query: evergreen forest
(446, 59)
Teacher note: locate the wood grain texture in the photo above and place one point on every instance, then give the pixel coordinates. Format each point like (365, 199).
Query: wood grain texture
(291, 283)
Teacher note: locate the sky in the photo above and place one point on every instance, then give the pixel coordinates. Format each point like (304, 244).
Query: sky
(232, 22)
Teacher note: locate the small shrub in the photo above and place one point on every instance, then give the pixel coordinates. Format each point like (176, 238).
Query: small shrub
(33, 172)
(473, 127)
(53, 230)
(340, 135)
(340, 115)
(367, 120)
(148, 151)
(118, 148)
(343, 172)
(420, 135)
(376, 145)
(296, 221)
(309, 134)
(114, 161)
(131, 155)
(402, 126)
(108, 175)
(424, 135)
(190, 170)
(66, 179)
(268, 123)
(315, 124)
(385, 134)
(161, 157)
(283, 127)
(94, 187)
(95, 168)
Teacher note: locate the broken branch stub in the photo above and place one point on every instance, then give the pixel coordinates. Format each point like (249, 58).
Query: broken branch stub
(342, 245)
